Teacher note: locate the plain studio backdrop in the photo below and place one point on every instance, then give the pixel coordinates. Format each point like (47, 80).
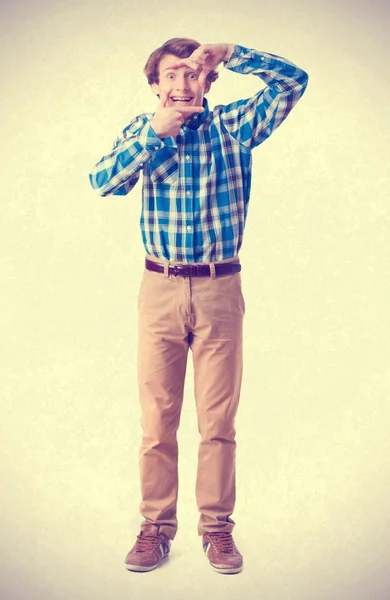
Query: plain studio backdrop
(313, 424)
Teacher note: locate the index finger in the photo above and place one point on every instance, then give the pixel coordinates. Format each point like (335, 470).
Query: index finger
(186, 62)
(190, 109)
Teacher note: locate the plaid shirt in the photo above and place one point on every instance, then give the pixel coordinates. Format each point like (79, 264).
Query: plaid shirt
(196, 186)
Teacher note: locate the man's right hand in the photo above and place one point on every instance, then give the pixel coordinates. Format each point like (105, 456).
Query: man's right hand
(168, 119)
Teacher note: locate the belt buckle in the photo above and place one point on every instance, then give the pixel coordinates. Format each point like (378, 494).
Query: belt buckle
(175, 270)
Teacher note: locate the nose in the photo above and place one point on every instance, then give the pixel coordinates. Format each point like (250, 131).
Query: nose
(182, 83)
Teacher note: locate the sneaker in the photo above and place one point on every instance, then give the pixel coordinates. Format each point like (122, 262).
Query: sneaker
(222, 553)
(149, 549)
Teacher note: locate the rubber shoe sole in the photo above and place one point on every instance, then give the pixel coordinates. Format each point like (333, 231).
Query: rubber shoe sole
(226, 570)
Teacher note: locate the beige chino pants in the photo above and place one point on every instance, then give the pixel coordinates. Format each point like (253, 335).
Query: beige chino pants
(204, 314)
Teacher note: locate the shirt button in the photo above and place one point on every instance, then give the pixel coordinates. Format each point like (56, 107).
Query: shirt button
(141, 164)
(195, 116)
(156, 147)
(188, 194)
(188, 157)
(189, 228)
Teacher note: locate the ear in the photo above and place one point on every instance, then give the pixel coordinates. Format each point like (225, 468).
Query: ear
(155, 88)
(207, 87)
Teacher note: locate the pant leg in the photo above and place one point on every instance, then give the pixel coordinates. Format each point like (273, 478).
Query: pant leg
(162, 359)
(219, 309)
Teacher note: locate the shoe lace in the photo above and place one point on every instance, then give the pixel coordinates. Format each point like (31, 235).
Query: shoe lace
(222, 542)
(146, 543)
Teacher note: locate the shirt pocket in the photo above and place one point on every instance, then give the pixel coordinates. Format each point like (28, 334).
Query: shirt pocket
(164, 166)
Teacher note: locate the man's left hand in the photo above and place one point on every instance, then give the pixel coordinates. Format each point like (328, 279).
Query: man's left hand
(205, 58)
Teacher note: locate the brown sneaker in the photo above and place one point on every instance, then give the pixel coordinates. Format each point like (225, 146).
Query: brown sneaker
(149, 549)
(222, 553)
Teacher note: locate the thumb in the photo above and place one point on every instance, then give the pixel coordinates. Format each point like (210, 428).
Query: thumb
(202, 77)
(163, 98)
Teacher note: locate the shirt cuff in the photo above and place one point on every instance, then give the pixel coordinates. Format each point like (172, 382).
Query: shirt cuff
(240, 54)
(234, 54)
(149, 139)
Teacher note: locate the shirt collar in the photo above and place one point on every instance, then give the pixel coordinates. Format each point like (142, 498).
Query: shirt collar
(197, 119)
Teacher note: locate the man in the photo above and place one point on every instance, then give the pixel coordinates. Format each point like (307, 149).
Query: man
(196, 166)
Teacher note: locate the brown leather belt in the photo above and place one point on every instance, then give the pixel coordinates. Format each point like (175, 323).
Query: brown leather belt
(194, 270)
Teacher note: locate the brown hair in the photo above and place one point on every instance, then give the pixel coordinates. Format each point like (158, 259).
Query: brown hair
(180, 47)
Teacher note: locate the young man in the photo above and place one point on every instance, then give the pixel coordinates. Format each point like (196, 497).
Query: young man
(196, 166)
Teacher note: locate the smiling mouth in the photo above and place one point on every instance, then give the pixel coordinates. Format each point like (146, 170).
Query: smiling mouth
(181, 99)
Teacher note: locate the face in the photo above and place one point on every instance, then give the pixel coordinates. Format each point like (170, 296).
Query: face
(181, 83)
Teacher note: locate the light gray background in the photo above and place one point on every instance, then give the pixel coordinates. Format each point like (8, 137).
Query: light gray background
(313, 424)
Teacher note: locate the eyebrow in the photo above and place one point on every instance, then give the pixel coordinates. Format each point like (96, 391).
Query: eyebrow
(173, 68)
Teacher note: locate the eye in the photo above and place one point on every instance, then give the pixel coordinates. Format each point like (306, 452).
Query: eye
(170, 76)
(193, 76)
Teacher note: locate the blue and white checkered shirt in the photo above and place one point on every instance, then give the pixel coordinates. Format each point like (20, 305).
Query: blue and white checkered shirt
(196, 186)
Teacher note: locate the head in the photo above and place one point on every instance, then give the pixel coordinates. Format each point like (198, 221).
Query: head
(181, 82)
